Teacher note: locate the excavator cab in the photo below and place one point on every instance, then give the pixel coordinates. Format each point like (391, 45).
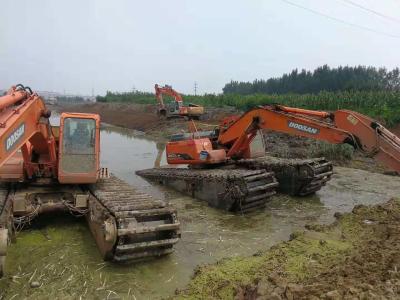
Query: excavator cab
(79, 145)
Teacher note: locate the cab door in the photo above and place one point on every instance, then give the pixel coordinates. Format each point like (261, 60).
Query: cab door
(79, 148)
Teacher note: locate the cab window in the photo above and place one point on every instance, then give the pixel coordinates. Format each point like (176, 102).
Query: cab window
(78, 145)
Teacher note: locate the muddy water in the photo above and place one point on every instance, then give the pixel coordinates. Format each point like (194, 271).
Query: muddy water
(59, 253)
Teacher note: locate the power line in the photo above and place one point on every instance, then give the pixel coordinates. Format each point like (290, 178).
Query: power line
(372, 11)
(341, 21)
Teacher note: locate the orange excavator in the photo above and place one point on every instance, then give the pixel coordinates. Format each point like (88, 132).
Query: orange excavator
(226, 174)
(45, 168)
(176, 108)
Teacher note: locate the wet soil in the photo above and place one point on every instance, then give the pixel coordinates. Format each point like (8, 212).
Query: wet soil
(356, 257)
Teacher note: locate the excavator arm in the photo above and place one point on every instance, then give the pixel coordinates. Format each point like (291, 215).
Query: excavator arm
(342, 126)
(238, 135)
(372, 138)
(166, 90)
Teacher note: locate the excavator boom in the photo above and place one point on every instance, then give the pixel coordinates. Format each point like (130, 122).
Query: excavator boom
(342, 126)
(166, 90)
(24, 126)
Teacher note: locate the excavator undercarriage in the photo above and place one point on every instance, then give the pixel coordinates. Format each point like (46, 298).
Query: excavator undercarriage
(127, 225)
(236, 190)
(246, 185)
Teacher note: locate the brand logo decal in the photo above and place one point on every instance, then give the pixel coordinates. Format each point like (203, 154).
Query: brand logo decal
(15, 136)
(303, 127)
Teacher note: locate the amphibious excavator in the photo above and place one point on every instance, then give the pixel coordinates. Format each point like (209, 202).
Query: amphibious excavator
(46, 168)
(176, 108)
(224, 172)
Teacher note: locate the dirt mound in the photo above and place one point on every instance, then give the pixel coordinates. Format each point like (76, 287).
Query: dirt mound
(138, 117)
(357, 257)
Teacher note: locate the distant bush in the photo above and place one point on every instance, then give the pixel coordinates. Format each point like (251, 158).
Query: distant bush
(359, 78)
(74, 99)
(128, 97)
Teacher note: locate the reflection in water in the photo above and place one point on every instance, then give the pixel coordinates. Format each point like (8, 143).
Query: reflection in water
(208, 234)
(125, 132)
(160, 152)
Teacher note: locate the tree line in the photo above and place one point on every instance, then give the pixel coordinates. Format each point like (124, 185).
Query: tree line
(359, 78)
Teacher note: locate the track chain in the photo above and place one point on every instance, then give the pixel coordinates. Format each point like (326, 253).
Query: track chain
(297, 177)
(237, 190)
(144, 227)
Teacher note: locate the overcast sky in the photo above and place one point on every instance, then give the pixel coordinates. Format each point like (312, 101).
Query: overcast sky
(77, 45)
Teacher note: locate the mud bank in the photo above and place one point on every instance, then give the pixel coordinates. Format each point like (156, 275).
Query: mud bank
(356, 257)
(143, 117)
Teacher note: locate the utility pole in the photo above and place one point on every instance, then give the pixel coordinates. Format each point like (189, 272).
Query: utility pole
(195, 88)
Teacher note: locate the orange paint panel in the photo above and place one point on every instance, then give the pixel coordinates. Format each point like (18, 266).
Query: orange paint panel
(189, 152)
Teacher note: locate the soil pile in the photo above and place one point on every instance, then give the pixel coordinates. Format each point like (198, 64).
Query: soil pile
(138, 117)
(357, 257)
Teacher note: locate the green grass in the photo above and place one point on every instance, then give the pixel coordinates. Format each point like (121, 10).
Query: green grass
(293, 259)
(307, 255)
